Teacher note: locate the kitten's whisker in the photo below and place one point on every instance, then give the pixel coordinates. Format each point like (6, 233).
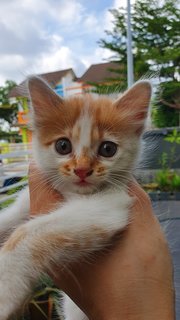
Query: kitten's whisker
(121, 176)
(140, 201)
(119, 185)
(38, 187)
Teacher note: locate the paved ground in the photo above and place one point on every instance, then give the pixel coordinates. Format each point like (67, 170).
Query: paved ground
(168, 213)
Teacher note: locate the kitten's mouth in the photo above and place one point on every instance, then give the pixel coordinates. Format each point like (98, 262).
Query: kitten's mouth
(83, 183)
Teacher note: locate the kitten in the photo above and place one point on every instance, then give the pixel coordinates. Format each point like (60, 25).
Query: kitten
(86, 148)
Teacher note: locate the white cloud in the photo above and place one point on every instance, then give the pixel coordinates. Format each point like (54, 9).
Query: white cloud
(11, 67)
(91, 24)
(56, 60)
(68, 12)
(100, 55)
(46, 35)
(119, 3)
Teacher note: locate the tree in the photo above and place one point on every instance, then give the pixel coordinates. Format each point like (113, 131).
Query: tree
(155, 29)
(166, 109)
(7, 111)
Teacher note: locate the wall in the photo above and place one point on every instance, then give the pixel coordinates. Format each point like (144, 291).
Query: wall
(67, 86)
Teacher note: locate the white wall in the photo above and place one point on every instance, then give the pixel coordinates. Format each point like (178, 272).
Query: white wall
(70, 86)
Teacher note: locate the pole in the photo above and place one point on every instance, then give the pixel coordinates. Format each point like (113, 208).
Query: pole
(130, 72)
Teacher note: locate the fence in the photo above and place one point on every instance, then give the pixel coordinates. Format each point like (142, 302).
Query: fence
(14, 160)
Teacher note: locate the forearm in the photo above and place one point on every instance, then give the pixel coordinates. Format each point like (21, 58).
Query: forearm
(101, 302)
(161, 308)
(165, 313)
(151, 303)
(121, 287)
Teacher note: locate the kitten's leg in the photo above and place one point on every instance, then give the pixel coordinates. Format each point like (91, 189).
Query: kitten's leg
(69, 233)
(15, 214)
(71, 311)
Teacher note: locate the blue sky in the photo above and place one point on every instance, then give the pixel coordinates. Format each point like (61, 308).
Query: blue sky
(46, 35)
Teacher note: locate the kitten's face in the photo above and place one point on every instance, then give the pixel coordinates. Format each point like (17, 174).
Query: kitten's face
(82, 144)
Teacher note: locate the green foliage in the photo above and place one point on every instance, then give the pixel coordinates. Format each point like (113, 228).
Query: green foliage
(162, 180)
(7, 112)
(10, 136)
(164, 161)
(6, 203)
(17, 189)
(174, 137)
(155, 32)
(175, 182)
(168, 159)
(108, 89)
(168, 180)
(166, 107)
(44, 301)
(163, 116)
(155, 37)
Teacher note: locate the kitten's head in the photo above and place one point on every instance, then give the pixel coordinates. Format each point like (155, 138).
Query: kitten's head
(82, 143)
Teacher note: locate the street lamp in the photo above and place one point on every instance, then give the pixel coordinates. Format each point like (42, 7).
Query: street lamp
(130, 72)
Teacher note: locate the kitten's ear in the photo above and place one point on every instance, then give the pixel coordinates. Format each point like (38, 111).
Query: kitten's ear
(133, 105)
(43, 98)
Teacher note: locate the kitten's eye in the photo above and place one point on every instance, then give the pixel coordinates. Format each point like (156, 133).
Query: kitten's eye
(107, 149)
(63, 146)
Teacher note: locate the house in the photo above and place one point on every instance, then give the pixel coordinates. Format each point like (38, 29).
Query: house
(64, 83)
(100, 74)
(61, 81)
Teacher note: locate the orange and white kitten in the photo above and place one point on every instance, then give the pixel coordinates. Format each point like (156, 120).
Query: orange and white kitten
(86, 148)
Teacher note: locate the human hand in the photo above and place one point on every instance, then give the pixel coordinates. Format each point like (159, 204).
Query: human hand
(134, 280)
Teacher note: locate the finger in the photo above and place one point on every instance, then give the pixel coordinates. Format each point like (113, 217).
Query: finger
(142, 215)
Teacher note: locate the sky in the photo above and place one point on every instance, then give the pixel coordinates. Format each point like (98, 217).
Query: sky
(39, 36)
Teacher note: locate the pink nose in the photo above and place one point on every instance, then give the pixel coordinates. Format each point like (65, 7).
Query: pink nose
(82, 173)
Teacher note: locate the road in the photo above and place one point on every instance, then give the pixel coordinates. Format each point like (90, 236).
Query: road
(168, 213)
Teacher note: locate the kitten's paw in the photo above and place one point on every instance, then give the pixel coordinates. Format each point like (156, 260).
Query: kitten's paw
(115, 214)
(5, 310)
(10, 302)
(13, 289)
(8, 299)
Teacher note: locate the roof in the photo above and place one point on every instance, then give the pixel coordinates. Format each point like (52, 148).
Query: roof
(98, 73)
(52, 79)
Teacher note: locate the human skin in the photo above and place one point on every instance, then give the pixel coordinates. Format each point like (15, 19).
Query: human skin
(133, 279)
